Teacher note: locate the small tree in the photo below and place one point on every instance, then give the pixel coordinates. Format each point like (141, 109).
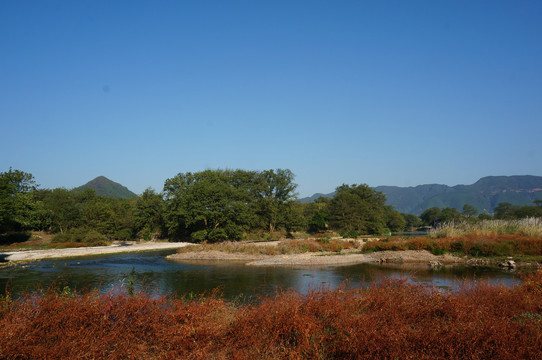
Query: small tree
(430, 216)
(358, 208)
(469, 211)
(16, 200)
(505, 210)
(148, 214)
(412, 221)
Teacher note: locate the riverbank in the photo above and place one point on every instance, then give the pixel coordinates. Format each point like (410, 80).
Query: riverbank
(29, 255)
(298, 253)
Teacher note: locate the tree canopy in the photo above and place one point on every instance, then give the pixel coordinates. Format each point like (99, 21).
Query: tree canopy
(223, 204)
(358, 208)
(214, 205)
(16, 200)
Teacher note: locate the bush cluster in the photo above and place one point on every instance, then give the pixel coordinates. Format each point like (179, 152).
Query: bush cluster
(88, 237)
(392, 319)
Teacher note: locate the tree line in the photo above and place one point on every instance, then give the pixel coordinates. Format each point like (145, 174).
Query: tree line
(503, 211)
(210, 205)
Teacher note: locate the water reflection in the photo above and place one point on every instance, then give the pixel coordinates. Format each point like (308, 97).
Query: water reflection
(151, 270)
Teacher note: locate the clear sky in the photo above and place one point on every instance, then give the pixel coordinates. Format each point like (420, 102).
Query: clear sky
(376, 92)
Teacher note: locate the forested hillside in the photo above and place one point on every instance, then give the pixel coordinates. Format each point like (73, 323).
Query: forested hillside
(484, 195)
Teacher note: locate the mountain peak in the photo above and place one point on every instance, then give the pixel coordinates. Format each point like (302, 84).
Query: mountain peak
(105, 187)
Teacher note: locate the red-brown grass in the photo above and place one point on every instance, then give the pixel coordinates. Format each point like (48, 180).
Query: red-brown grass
(66, 245)
(475, 245)
(392, 319)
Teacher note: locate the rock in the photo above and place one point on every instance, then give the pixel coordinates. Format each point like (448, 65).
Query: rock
(478, 262)
(435, 264)
(509, 264)
(390, 260)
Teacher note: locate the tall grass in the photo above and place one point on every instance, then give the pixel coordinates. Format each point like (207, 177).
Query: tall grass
(392, 319)
(487, 238)
(531, 227)
(472, 245)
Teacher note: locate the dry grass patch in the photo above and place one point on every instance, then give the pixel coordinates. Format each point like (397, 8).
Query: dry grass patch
(289, 246)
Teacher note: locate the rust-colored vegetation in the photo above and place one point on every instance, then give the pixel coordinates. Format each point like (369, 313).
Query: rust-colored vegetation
(473, 245)
(392, 319)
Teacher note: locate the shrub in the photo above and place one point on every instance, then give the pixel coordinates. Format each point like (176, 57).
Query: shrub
(84, 236)
(94, 238)
(124, 234)
(217, 234)
(390, 319)
(199, 236)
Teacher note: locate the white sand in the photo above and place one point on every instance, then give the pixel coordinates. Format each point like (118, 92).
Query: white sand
(27, 255)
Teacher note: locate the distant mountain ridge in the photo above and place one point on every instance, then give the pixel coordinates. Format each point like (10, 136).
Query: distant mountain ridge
(105, 187)
(484, 194)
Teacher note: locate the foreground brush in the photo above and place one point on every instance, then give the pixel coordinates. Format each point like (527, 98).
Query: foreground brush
(391, 319)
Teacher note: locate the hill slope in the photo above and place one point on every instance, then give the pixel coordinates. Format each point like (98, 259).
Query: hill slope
(484, 195)
(105, 187)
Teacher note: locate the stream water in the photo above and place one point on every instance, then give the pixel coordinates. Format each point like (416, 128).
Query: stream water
(152, 271)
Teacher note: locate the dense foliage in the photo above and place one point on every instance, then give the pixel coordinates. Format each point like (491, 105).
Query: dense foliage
(392, 319)
(16, 203)
(213, 205)
(224, 204)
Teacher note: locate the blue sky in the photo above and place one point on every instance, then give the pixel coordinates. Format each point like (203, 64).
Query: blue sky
(377, 92)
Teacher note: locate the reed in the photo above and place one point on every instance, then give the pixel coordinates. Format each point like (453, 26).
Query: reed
(531, 227)
(472, 245)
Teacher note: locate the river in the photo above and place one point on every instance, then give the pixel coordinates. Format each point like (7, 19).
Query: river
(152, 271)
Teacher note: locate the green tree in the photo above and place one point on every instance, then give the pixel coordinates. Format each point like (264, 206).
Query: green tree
(293, 219)
(16, 200)
(148, 214)
(528, 211)
(469, 211)
(62, 209)
(449, 215)
(108, 216)
(212, 205)
(431, 216)
(394, 220)
(484, 216)
(276, 189)
(358, 208)
(411, 221)
(505, 210)
(319, 220)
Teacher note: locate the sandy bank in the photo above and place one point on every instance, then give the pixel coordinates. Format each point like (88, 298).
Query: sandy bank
(28, 255)
(321, 259)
